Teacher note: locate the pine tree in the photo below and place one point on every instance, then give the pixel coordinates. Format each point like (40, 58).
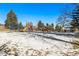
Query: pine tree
(11, 20)
(75, 18)
(52, 26)
(40, 25)
(47, 25)
(20, 25)
(58, 28)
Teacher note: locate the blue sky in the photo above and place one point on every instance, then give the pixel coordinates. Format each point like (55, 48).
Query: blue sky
(33, 12)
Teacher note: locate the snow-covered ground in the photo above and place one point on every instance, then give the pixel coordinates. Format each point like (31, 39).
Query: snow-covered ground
(29, 44)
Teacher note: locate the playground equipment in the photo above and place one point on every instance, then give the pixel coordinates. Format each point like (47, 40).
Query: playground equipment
(28, 27)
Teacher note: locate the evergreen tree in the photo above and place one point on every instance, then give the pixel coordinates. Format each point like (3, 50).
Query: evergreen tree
(58, 28)
(40, 25)
(75, 18)
(20, 25)
(52, 26)
(11, 20)
(47, 24)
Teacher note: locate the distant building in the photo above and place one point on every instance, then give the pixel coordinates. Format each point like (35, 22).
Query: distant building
(70, 29)
(76, 29)
(67, 29)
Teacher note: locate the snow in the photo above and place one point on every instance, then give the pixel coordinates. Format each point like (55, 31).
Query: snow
(29, 44)
(66, 38)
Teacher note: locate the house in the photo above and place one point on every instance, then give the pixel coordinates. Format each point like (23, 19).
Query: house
(70, 29)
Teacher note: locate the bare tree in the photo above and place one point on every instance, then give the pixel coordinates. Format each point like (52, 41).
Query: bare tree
(64, 19)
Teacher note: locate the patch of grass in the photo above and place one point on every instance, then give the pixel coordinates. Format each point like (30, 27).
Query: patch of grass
(76, 46)
(4, 30)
